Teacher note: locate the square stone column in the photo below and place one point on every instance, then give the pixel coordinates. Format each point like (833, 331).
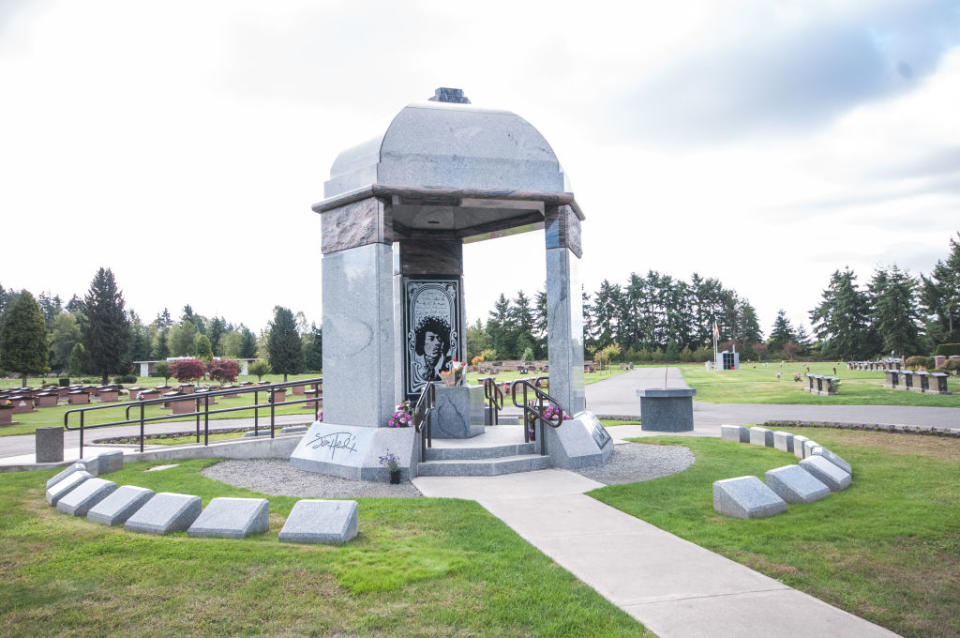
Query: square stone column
(358, 323)
(564, 308)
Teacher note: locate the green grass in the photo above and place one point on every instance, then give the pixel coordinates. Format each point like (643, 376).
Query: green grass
(42, 417)
(512, 375)
(754, 383)
(886, 549)
(420, 567)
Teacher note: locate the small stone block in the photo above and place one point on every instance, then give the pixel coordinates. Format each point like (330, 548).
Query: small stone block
(798, 440)
(110, 461)
(120, 505)
(319, 521)
(232, 518)
(783, 441)
(164, 513)
(761, 436)
(794, 484)
(826, 472)
(833, 458)
(61, 489)
(79, 501)
(808, 446)
(294, 428)
(48, 443)
(746, 497)
(735, 433)
(70, 469)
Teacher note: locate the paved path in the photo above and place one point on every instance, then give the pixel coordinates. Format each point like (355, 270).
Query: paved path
(617, 396)
(672, 586)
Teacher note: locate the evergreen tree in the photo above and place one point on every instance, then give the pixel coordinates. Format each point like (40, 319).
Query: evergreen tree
(50, 307)
(607, 309)
(161, 347)
(182, 339)
(64, 334)
(477, 340)
(313, 349)
(75, 306)
(202, 347)
(139, 347)
(163, 320)
(248, 343)
(23, 342)
(522, 322)
(540, 325)
(940, 294)
(842, 320)
(896, 319)
(283, 344)
(781, 333)
(104, 325)
(77, 362)
(498, 327)
(218, 328)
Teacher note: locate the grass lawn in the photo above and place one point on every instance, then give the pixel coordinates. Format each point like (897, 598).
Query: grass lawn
(420, 567)
(753, 383)
(512, 375)
(886, 549)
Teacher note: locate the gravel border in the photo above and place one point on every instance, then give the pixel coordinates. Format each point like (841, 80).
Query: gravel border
(278, 478)
(635, 462)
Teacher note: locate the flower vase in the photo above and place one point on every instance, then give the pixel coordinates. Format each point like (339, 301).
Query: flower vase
(395, 477)
(449, 378)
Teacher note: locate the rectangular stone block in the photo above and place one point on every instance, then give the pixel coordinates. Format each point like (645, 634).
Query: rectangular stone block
(319, 521)
(808, 446)
(798, 441)
(783, 441)
(70, 469)
(164, 513)
(826, 472)
(458, 412)
(794, 484)
(666, 409)
(120, 505)
(232, 518)
(61, 489)
(833, 458)
(79, 500)
(761, 436)
(735, 433)
(746, 497)
(49, 444)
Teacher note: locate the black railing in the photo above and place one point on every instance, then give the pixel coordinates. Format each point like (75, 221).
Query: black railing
(423, 417)
(539, 408)
(494, 397)
(198, 398)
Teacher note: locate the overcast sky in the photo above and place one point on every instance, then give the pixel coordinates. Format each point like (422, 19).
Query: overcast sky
(764, 143)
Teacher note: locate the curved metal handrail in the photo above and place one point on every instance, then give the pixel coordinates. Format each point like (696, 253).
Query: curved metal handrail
(423, 416)
(534, 410)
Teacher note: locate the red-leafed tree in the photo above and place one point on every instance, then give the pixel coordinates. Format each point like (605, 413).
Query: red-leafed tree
(187, 369)
(224, 370)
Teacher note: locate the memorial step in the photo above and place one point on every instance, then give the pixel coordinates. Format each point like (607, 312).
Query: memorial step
(479, 452)
(485, 467)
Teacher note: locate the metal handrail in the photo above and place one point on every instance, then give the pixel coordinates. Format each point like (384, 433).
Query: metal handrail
(316, 382)
(423, 416)
(534, 410)
(494, 396)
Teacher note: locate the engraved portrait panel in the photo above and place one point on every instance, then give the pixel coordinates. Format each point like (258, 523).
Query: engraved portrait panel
(431, 329)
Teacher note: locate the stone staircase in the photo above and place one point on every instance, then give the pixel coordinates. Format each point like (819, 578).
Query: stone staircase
(489, 454)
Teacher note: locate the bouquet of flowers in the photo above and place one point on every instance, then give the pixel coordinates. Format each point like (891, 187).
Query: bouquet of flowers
(453, 374)
(402, 416)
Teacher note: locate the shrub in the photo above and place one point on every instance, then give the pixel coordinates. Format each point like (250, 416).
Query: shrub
(125, 378)
(187, 369)
(948, 349)
(224, 370)
(259, 368)
(952, 366)
(919, 362)
(161, 369)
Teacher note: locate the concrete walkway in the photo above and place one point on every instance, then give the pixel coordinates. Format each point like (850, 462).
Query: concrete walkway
(672, 586)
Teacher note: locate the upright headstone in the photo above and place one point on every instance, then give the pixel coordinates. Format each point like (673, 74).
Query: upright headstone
(783, 441)
(798, 441)
(735, 433)
(761, 436)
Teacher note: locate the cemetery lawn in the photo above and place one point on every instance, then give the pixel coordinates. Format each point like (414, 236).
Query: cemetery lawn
(759, 384)
(512, 375)
(886, 549)
(420, 567)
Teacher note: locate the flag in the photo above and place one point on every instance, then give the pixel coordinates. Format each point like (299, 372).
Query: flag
(716, 331)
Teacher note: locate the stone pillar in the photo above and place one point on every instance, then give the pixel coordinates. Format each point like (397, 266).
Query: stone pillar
(564, 308)
(144, 368)
(358, 322)
(244, 367)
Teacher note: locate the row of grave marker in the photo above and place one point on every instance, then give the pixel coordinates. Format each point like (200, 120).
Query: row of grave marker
(917, 381)
(819, 473)
(79, 491)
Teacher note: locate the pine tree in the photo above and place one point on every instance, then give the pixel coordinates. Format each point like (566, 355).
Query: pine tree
(498, 327)
(217, 329)
(23, 342)
(781, 333)
(313, 349)
(896, 319)
(202, 347)
(64, 334)
(842, 320)
(161, 347)
(104, 325)
(522, 322)
(940, 294)
(183, 339)
(283, 345)
(248, 343)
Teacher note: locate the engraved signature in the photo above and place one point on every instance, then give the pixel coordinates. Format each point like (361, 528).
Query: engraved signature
(335, 441)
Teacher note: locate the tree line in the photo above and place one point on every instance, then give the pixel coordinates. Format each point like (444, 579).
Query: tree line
(96, 334)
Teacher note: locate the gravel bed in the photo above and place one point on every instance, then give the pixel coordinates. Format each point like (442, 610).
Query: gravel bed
(278, 478)
(633, 462)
